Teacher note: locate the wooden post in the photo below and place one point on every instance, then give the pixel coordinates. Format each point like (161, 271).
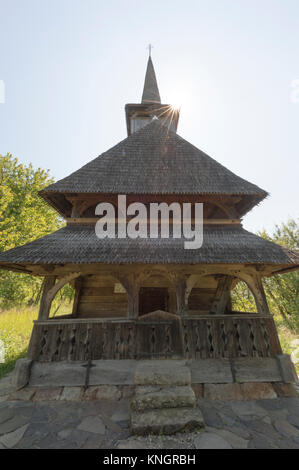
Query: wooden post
(78, 208)
(133, 301)
(222, 295)
(78, 287)
(172, 304)
(260, 296)
(45, 305)
(180, 290)
(132, 285)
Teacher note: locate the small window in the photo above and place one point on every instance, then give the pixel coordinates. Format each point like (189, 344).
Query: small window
(119, 288)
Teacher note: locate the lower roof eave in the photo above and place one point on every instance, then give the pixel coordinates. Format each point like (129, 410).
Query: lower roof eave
(42, 269)
(78, 246)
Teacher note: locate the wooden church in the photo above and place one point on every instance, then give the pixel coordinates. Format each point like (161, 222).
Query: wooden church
(150, 298)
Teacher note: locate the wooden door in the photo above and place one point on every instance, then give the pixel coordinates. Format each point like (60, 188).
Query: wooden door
(159, 336)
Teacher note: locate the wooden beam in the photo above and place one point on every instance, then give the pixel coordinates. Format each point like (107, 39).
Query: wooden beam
(179, 283)
(222, 295)
(53, 291)
(92, 220)
(78, 290)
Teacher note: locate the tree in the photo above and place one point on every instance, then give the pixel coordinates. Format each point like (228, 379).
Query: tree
(24, 216)
(282, 290)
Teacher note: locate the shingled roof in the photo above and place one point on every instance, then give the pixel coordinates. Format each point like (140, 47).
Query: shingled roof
(154, 160)
(79, 244)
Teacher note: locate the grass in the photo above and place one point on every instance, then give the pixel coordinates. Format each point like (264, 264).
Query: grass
(15, 331)
(16, 326)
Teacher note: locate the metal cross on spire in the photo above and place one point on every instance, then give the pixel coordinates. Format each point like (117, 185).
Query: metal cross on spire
(150, 47)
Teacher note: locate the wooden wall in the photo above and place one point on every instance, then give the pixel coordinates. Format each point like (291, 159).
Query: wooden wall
(98, 298)
(202, 295)
(200, 300)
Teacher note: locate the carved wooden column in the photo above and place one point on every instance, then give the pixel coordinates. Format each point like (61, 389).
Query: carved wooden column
(222, 295)
(133, 301)
(45, 305)
(172, 303)
(179, 283)
(259, 295)
(132, 285)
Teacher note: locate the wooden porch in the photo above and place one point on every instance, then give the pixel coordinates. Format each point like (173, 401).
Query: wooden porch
(155, 336)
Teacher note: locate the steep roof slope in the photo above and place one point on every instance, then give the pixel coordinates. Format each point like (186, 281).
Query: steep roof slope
(155, 160)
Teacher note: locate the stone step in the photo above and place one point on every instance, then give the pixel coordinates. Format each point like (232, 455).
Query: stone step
(166, 421)
(166, 372)
(155, 397)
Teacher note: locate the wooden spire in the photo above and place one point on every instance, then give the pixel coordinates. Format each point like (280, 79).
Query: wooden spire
(150, 90)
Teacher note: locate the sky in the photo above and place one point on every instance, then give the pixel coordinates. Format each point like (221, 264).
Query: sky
(68, 67)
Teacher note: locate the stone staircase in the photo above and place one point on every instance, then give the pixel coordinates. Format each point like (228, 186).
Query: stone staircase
(164, 402)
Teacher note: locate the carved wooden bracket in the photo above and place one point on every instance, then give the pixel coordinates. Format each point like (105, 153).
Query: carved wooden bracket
(79, 206)
(53, 291)
(50, 290)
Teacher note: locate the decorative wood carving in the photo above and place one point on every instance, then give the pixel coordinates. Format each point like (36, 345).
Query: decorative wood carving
(53, 291)
(50, 290)
(158, 334)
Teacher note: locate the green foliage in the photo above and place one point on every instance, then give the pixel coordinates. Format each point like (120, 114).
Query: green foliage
(24, 216)
(15, 331)
(242, 298)
(282, 290)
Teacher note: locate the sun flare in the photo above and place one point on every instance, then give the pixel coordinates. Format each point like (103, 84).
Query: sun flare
(177, 98)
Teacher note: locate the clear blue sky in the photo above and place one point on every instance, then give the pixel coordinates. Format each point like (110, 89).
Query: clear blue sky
(69, 67)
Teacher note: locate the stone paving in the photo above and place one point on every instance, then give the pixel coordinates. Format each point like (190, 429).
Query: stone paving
(103, 423)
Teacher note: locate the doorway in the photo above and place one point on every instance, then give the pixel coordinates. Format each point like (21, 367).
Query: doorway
(152, 299)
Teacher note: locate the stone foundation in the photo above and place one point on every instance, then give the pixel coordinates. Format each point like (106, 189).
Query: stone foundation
(242, 392)
(212, 379)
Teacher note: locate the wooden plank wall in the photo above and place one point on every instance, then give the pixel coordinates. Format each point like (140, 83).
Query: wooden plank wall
(200, 300)
(98, 299)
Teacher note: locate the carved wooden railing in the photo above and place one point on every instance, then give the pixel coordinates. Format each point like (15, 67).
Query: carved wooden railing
(202, 337)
